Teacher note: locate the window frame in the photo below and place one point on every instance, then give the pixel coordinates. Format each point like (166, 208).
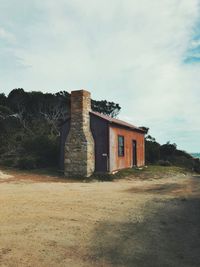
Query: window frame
(121, 147)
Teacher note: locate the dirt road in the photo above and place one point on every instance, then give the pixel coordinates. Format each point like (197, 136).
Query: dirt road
(50, 222)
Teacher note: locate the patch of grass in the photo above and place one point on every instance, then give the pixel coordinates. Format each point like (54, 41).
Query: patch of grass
(156, 169)
(118, 175)
(152, 171)
(44, 171)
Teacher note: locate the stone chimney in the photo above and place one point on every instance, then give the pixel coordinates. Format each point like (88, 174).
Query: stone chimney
(79, 146)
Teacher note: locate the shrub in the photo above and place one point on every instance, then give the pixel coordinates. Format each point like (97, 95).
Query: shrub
(27, 163)
(8, 162)
(197, 165)
(4, 110)
(152, 151)
(167, 151)
(43, 149)
(181, 153)
(165, 163)
(183, 161)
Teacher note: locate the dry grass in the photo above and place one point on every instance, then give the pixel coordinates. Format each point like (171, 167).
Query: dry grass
(48, 221)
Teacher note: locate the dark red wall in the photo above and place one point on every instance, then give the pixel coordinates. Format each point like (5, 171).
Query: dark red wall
(99, 128)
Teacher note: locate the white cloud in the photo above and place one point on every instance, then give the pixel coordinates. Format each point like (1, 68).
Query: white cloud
(7, 36)
(131, 52)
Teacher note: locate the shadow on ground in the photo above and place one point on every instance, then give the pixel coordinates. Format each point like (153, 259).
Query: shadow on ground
(158, 188)
(167, 236)
(190, 187)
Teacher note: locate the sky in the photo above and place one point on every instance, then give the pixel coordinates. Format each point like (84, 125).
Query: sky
(144, 55)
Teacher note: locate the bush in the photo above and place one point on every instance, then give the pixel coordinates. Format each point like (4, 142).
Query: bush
(4, 110)
(167, 151)
(27, 163)
(8, 162)
(197, 165)
(152, 151)
(181, 153)
(43, 149)
(164, 163)
(183, 161)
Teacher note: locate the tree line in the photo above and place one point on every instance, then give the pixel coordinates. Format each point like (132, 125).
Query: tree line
(30, 131)
(168, 154)
(30, 126)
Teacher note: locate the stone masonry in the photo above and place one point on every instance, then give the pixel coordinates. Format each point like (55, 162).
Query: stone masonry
(79, 146)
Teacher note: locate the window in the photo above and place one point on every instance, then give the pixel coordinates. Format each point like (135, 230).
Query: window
(120, 146)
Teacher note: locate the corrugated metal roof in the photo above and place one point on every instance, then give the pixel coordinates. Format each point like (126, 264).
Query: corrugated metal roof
(116, 121)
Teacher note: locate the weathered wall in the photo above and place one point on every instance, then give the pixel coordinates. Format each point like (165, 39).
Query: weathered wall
(126, 161)
(79, 146)
(99, 128)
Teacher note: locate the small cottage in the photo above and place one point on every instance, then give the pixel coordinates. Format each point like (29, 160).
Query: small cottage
(92, 142)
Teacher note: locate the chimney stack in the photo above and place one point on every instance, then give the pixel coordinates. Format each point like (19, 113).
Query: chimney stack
(79, 146)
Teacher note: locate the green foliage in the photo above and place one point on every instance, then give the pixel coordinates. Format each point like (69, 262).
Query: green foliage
(150, 172)
(17, 99)
(3, 99)
(168, 154)
(30, 126)
(167, 151)
(145, 129)
(107, 108)
(197, 165)
(4, 111)
(8, 162)
(27, 163)
(152, 150)
(44, 150)
(164, 163)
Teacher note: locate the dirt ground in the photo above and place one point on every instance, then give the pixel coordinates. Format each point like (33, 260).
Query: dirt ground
(47, 221)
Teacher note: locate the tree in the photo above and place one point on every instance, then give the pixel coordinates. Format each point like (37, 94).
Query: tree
(31, 106)
(4, 112)
(30, 126)
(152, 149)
(3, 100)
(145, 129)
(167, 151)
(17, 100)
(107, 108)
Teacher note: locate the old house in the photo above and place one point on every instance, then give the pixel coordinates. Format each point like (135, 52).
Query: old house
(92, 142)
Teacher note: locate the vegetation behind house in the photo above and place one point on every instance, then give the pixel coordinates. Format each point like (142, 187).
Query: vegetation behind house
(30, 129)
(168, 154)
(30, 126)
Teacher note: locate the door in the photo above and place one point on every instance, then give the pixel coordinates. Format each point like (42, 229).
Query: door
(134, 144)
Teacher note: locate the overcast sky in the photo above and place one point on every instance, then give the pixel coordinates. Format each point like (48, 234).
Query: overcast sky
(143, 54)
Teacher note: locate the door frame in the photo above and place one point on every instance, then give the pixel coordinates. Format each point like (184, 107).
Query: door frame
(134, 153)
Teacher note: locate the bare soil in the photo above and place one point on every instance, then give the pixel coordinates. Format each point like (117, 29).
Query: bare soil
(48, 221)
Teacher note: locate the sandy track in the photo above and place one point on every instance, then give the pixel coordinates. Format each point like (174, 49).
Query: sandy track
(124, 223)
(4, 176)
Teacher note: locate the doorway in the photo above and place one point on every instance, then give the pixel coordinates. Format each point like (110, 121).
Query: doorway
(134, 145)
